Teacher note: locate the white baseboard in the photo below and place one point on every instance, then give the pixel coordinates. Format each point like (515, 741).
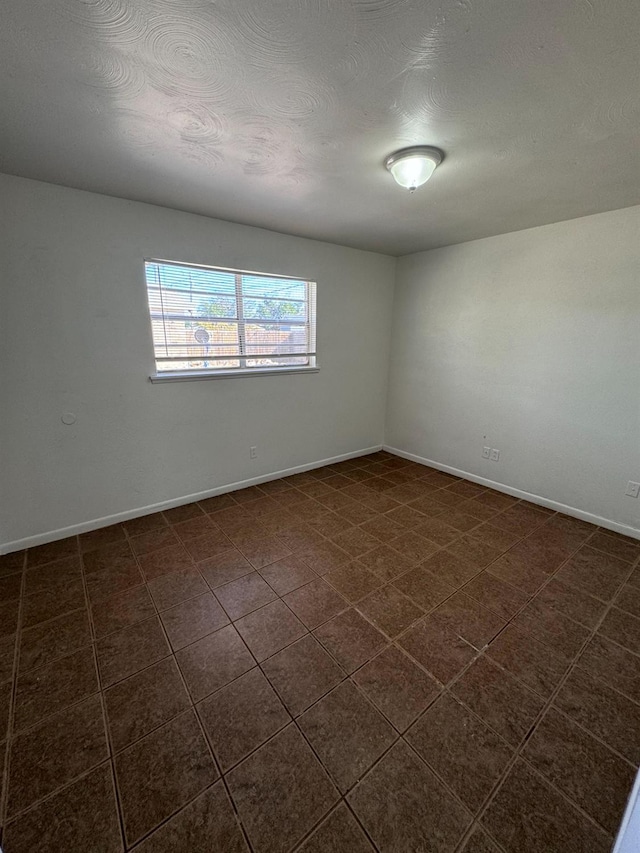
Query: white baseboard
(616, 526)
(94, 524)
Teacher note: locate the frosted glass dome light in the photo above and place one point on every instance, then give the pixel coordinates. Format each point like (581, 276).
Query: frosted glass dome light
(412, 167)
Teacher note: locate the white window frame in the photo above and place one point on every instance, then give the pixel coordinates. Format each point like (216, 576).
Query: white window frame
(242, 371)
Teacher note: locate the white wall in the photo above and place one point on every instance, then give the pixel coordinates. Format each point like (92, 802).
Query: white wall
(531, 339)
(75, 337)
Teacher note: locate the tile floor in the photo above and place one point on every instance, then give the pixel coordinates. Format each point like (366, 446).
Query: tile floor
(368, 656)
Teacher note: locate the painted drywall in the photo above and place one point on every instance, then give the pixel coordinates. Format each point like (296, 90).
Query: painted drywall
(75, 337)
(528, 343)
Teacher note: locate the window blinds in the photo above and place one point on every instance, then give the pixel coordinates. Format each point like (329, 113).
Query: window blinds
(207, 319)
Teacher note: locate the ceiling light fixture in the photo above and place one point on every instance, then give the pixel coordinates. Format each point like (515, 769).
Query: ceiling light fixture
(412, 167)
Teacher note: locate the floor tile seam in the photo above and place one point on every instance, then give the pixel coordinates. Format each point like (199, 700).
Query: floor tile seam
(4, 781)
(27, 567)
(299, 845)
(540, 716)
(593, 736)
(192, 708)
(103, 708)
(105, 762)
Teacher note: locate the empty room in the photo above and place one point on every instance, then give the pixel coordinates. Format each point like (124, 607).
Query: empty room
(319, 426)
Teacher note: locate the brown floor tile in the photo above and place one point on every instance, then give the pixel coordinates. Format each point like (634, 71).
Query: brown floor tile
(350, 639)
(315, 603)
(408, 517)
(464, 616)
(120, 611)
(192, 619)
(287, 574)
(404, 807)
(459, 520)
(224, 567)
(347, 734)
(302, 673)
(437, 531)
(244, 594)
(143, 702)
(519, 519)
(348, 508)
(300, 537)
(109, 582)
(214, 661)
(382, 527)
(502, 598)
(499, 699)
(323, 557)
(264, 550)
(209, 545)
(629, 599)
(6, 692)
(356, 541)
(528, 816)
(612, 664)
(165, 561)
(515, 569)
(198, 526)
(154, 540)
(218, 502)
(7, 656)
(463, 751)
(83, 816)
(51, 577)
(552, 628)
(477, 510)
(50, 640)
(43, 606)
(536, 665)
(604, 712)
(390, 610)
(103, 536)
(618, 546)
(113, 556)
(168, 590)
(55, 686)
(424, 588)
(178, 514)
(52, 551)
(475, 550)
(9, 611)
(11, 563)
(207, 825)
(353, 581)
(582, 768)
(339, 833)
(281, 792)
(127, 651)
(577, 605)
(247, 495)
(479, 842)
(55, 752)
(385, 562)
(413, 547)
(495, 536)
(270, 629)
(145, 523)
(241, 717)
(11, 586)
(622, 628)
(451, 569)
(438, 650)
(162, 772)
(594, 572)
(399, 688)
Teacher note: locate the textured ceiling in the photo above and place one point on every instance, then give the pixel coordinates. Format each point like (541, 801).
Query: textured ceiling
(279, 113)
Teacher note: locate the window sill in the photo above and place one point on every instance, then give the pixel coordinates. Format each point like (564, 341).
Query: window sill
(191, 376)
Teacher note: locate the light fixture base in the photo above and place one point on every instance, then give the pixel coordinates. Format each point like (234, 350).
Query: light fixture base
(411, 167)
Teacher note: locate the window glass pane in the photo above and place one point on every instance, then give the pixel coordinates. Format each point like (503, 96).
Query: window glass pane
(209, 319)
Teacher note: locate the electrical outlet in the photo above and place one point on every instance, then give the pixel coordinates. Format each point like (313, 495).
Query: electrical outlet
(495, 455)
(485, 452)
(253, 452)
(633, 489)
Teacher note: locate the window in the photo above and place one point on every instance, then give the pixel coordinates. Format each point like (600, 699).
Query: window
(218, 322)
